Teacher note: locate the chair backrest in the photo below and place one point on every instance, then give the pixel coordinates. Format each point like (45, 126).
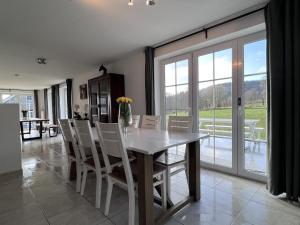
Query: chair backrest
(86, 141)
(112, 144)
(65, 130)
(69, 137)
(180, 123)
(151, 122)
(136, 121)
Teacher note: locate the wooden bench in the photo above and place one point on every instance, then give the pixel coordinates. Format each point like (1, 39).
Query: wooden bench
(224, 130)
(54, 128)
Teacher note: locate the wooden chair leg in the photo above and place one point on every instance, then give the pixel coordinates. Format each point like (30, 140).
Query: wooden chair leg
(164, 191)
(108, 195)
(187, 164)
(83, 180)
(78, 178)
(131, 216)
(98, 189)
(168, 182)
(69, 169)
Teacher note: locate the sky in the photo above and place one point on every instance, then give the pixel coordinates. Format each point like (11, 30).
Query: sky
(254, 62)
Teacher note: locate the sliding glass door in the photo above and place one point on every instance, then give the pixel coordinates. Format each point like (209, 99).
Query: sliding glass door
(224, 87)
(216, 74)
(253, 108)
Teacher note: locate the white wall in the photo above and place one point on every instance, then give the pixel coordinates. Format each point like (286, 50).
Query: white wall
(10, 147)
(82, 79)
(133, 67)
(228, 31)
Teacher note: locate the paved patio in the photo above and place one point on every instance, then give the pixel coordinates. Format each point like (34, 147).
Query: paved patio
(255, 156)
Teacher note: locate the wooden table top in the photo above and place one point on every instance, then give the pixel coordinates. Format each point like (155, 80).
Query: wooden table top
(33, 120)
(148, 141)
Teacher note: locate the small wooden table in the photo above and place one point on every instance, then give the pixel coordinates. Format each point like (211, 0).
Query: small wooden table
(145, 143)
(31, 120)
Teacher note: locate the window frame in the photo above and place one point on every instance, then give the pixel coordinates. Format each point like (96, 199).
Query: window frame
(18, 94)
(163, 86)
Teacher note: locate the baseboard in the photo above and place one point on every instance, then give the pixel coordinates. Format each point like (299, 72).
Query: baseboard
(12, 173)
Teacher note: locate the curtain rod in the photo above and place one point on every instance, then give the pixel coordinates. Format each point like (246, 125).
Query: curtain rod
(205, 29)
(8, 89)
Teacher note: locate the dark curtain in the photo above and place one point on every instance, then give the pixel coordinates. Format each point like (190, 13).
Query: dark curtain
(55, 103)
(149, 81)
(46, 102)
(283, 33)
(36, 103)
(69, 97)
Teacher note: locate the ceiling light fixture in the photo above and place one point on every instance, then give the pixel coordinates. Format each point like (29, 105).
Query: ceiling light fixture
(150, 2)
(130, 3)
(41, 60)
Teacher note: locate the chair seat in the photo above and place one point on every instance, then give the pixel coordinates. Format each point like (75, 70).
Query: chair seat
(119, 172)
(72, 157)
(170, 159)
(51, 126)
(112, 160)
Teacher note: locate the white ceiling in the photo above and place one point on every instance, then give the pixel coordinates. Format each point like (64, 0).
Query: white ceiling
(77, 35)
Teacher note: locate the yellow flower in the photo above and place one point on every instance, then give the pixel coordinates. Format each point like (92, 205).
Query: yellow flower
(124, 100)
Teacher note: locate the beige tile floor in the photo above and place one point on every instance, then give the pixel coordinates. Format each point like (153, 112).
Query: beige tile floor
(42, 196)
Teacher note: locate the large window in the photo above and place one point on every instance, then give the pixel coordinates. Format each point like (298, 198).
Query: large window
(63, 101)
(25, 100)
(176, 87)
(50, 112)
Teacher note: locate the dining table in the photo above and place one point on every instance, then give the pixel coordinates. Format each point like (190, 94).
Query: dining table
(145, 143)
(39, 121)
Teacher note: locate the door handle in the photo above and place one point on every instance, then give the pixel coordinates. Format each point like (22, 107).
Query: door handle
(239, 101)
(240, 109)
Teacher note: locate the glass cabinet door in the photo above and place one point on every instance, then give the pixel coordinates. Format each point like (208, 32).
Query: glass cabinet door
(94, 108)
(104, 104)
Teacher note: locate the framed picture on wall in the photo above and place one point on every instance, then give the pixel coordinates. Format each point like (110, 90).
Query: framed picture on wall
(83, 91)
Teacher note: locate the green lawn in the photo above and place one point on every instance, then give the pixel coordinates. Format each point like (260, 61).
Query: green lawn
(258, 113)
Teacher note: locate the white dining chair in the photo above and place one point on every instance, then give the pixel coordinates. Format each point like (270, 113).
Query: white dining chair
(135, 121)
(112, 144)
(92, 159)
(151, 122)
(72, 149)
(174, 162)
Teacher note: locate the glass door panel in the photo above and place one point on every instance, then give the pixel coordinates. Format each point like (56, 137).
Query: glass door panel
(254, 116)
(176, 90)
(223, 122)
(215, 69)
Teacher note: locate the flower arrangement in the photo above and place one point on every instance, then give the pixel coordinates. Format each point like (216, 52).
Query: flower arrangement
(125, 116)
(124, 100)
